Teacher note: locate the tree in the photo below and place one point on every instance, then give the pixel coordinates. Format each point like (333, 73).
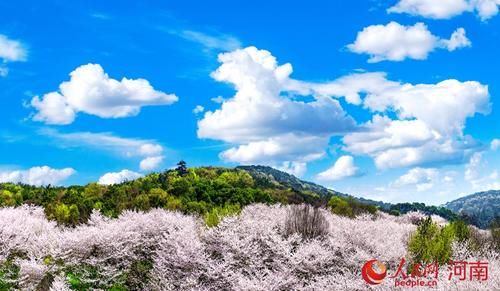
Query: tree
(181, 168)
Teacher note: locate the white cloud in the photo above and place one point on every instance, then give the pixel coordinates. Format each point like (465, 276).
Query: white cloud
(118, 177)
(423, 179)
(265, 124)
(198, 109)
(420, 134)
(289, 147)
(495, 144)
(396, 42)
(10, 51)
(475, 174)
(37, 176)
(445, 9)
(265, 121)
(293, 168)
(344, 167)
(217, 41)
(472, 168)
(401, 143)
(92, 91)
(150, 163)
(457, 40)
(150, 152)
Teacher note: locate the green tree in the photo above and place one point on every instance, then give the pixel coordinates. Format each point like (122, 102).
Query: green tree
(431, 243)
(181, 168)
(341, 207)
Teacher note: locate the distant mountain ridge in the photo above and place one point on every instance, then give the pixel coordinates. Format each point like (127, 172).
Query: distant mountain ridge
(481, 208)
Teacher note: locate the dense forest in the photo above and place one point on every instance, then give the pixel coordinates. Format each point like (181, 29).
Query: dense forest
(211, 192)
(207, 191)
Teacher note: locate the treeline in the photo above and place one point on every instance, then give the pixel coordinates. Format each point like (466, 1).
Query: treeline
(212, 192)
(209, 191)
(403, 208)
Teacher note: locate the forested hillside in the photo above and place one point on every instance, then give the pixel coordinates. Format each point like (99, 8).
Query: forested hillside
(481, 208)
(207, 191)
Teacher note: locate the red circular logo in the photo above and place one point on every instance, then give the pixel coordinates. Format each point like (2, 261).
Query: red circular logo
(372, 276)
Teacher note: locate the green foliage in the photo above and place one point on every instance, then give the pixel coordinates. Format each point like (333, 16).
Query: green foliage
(432, 243)
(205, 191)
(461, 230)
(349, 207)
(403, 208)
(11, 197)
(215, 215)
(495, 233)
(8, 272)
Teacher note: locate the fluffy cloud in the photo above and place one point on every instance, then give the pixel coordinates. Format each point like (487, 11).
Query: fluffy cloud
(421, 134)
(422, 178)
(289, 147)
(37, 176)
(445, 9)
(10, 51)
(150, 163)
(262, 120)
(344, 167)
(92, 91)
(118, 177)
(149, 151)
(396, 42)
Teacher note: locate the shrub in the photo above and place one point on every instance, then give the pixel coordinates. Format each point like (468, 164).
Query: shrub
(305, 220)
(350, 207)
(215, 215)
(431, 243)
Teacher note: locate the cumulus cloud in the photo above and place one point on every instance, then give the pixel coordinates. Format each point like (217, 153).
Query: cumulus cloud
(118, 177)
(37, 176)
(420, 134)
(265, 124)
(289, 147)
(150, 163)
(149, 151)
(10, 51)
(446, 9)
(422, 178)
(396, 42)
(344, 167)
(90, 90)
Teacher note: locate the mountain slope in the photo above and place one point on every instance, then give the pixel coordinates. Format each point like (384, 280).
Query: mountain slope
(268, 175)
(481, 207)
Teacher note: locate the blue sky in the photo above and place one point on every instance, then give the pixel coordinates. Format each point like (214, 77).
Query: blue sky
(396, 101)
